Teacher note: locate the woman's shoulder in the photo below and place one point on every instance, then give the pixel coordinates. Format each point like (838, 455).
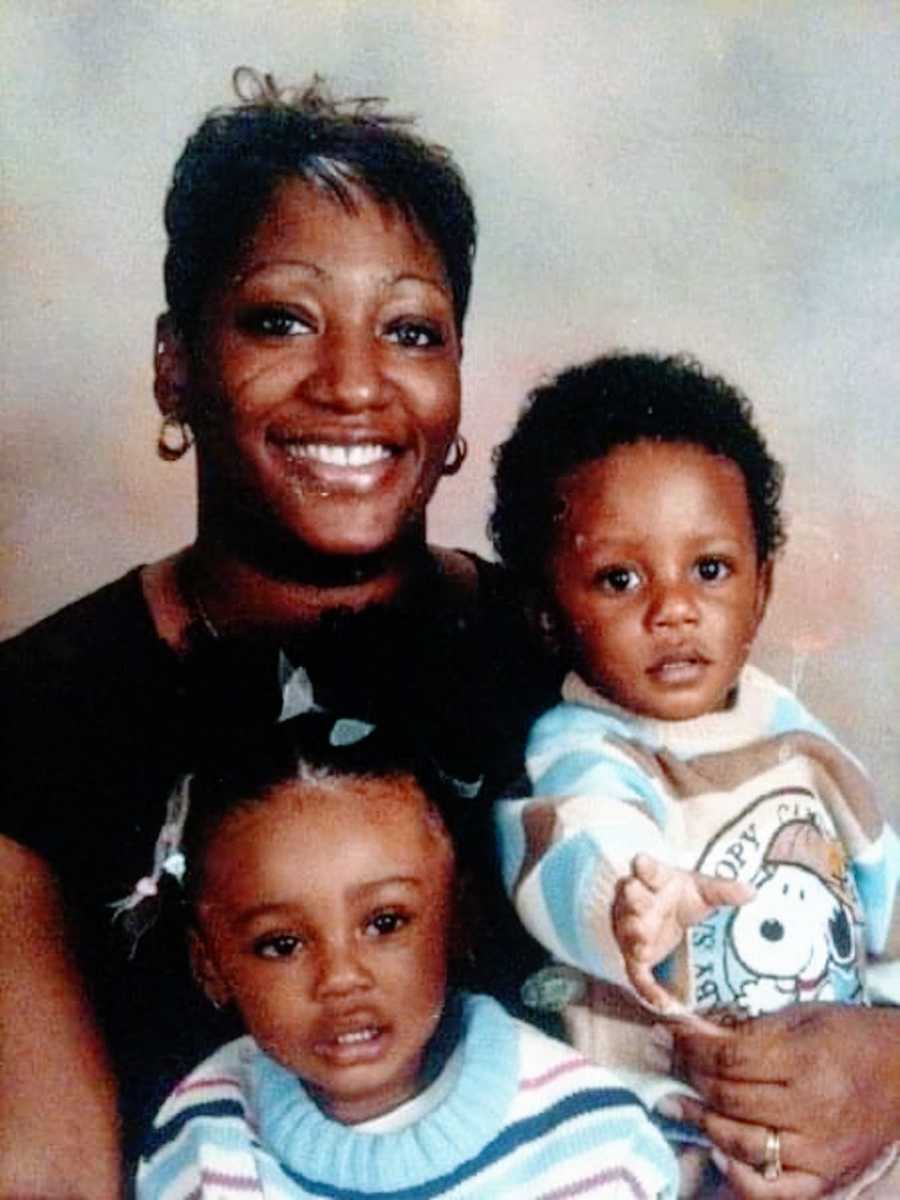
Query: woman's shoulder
(102, 616)
(106, 635)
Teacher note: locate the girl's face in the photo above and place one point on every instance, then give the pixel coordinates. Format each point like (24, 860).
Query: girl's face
(655, 576)
(324, 916)
(324, 380)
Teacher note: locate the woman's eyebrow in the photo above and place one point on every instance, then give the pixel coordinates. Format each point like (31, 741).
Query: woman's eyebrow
(275, 265)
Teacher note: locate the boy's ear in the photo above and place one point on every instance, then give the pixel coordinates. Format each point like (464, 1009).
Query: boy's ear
(205, 972)
(764, 587)
(170, 369)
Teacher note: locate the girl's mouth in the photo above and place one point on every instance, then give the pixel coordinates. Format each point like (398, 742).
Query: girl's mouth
(352, 1046)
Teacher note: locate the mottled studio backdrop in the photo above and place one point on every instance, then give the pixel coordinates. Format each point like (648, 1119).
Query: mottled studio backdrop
(722, 178)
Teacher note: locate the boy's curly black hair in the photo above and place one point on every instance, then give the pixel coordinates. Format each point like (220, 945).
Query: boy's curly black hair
(617, 399)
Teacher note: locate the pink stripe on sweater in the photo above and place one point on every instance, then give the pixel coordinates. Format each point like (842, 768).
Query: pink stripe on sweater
(616, 1176)
(238, 1183)
(571, 1064)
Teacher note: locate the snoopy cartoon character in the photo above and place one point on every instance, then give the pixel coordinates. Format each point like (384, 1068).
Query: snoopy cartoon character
(800, 927)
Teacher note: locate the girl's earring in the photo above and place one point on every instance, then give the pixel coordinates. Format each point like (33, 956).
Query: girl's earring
(175, 438)
(548, 631)
(456, 455)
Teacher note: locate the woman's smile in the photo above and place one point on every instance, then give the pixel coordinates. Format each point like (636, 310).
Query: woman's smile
(327, 376)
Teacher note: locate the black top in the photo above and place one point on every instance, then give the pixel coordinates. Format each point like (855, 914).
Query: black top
(100, 718)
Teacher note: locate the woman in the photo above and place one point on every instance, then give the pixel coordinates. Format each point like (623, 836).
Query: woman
(317, 278)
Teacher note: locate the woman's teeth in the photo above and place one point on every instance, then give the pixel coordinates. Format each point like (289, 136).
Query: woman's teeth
(362, 455)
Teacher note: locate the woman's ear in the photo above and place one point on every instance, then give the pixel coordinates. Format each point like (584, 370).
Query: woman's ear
(170, 369)
(205, 971)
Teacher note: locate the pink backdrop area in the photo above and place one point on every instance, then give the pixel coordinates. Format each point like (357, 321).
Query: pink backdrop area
(714, 177)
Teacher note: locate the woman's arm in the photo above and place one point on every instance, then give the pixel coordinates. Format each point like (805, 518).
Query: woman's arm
(826, 1077)
(58, 1120)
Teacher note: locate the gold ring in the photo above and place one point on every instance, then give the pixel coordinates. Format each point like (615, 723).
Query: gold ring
(771, 1168)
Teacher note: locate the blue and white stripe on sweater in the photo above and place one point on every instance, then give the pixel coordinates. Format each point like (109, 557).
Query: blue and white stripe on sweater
(526, 1118)
(608, 784)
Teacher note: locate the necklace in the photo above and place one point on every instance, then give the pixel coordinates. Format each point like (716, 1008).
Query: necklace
(190, 594)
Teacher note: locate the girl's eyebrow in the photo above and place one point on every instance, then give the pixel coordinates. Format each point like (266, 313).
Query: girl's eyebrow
(373, 885)
(275, 908)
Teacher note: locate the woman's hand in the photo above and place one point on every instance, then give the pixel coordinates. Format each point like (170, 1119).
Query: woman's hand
(825, 1077)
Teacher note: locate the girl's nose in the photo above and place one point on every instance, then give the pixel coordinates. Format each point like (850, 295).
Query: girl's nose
(672, 604)
(347, 375)
(341, 970)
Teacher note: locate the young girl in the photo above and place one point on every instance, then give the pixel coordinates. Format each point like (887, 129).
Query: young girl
(323, 889)
(640, 500)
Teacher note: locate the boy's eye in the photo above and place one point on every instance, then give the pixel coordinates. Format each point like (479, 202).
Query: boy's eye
(271, 321)
(415, 335)
(617, 580)
(279, 945)
(385, 923)
(713, 570)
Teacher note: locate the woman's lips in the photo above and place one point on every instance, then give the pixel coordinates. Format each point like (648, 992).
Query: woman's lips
(336, 454)
(354, 466)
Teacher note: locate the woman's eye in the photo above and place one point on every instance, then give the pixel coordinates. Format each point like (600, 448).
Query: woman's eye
(281, 945)
(385, 923)
(618, 580)
(713, 570)
(415, 335)
(274, 322)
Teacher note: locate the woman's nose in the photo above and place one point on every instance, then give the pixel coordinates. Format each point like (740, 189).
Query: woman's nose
(341, 970)
(672, 604)
(347, 375)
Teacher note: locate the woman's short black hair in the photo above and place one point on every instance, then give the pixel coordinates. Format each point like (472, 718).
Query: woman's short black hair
(231, 165)
(312, 748)
(586, 411)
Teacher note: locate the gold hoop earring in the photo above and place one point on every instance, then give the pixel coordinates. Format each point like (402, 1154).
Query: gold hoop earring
(456, 455)
(175, 438)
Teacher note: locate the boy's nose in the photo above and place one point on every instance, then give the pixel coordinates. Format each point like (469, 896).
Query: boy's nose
(347, 374)
(672, 604)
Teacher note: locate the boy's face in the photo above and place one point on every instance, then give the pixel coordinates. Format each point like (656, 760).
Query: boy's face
(324, 916)
(655, 576)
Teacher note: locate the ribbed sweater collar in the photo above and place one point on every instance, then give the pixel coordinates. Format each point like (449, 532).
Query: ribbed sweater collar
(314, 1147)
(740, 723)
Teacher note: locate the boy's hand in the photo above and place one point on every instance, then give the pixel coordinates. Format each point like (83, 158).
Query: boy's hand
(653, 909)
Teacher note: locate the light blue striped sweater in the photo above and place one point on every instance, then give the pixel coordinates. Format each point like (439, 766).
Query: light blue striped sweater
(526, 1117)
(760, 792)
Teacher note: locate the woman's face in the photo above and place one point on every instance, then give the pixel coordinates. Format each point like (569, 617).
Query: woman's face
(324, 380)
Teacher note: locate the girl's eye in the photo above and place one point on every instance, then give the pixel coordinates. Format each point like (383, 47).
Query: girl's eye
(385, 923)
(617, 580)
(280, 945)
(713, 570)
(274, 322)
(415, 335)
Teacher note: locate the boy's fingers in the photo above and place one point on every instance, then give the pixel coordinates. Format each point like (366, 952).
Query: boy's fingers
(652, 992)
(651, 872)
(716, 892)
